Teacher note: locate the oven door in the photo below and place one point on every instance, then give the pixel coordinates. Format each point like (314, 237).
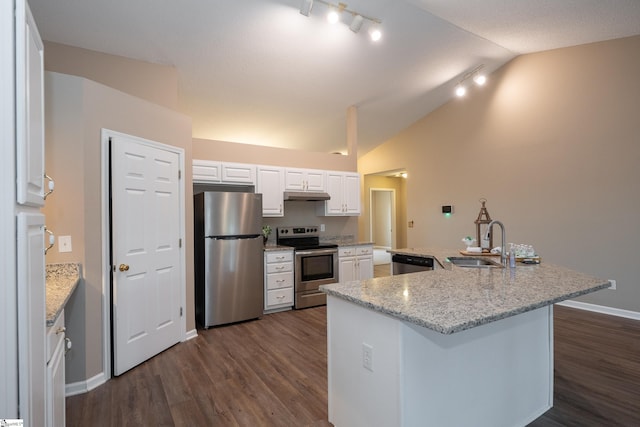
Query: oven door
(315, 267)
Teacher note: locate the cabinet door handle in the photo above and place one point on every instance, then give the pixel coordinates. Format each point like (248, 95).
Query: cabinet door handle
(280, 281)
(51, 186)
(52, 239)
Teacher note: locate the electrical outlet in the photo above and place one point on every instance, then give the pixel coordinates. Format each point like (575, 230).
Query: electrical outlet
(64, 243)
(367, 356)
(321, 227)
(613, 284)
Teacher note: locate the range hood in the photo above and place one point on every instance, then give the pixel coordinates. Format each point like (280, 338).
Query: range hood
(308, 196)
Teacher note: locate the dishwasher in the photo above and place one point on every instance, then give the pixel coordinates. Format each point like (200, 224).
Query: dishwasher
(402, 264)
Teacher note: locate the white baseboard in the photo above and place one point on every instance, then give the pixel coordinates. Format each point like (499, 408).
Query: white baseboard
(84, 386)
(190, 335)
(634, 315)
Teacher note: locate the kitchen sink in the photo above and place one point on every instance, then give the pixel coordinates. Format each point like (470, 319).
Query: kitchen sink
(469, 262)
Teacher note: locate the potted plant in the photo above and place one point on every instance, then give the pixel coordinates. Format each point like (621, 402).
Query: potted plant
(266, 231)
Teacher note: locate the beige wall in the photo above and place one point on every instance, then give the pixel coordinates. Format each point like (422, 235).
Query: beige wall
(205, 149)
(76, 111)
(552, 144)
(154, 82)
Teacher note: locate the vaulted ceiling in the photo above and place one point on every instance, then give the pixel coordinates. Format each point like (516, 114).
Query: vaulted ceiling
(259, 72)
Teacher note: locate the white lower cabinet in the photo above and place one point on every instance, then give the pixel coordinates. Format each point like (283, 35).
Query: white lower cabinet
(356, 263)
(278, 280)
(56, 348)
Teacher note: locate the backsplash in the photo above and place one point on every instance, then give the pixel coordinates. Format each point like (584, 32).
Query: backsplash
(304, 213)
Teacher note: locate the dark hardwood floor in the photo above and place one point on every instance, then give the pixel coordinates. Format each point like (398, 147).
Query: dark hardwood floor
(597, 371)
(272, 372)
(267, 372)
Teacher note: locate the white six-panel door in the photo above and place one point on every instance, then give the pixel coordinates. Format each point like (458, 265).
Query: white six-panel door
(146, 250)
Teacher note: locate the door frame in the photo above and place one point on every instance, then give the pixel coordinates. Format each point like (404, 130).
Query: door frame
(394, 241)
(105, 134)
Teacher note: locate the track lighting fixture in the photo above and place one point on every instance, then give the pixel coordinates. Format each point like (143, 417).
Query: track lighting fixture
(335, 10)
(478, 77)
(305, 8)
(356, 23)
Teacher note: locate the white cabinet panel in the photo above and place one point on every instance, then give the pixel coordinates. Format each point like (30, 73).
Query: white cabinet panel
(56, 348)
(304, 180)
(270, 183)
(29, 109)
(31, 317)
(278, 280)
(206, 171)
(356, 262)
(344, 189)
(238, 173)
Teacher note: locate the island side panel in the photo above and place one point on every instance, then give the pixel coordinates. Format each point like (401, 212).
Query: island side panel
(358, 396)
(498, 374)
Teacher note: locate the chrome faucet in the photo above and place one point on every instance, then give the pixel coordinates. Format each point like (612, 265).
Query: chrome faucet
(503, 250)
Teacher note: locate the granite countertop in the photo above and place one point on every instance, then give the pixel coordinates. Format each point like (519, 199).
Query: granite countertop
(274, 247)
(62, 279)
(449, 301)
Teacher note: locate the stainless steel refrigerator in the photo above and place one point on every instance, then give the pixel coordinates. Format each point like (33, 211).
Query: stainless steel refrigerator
(228, 257)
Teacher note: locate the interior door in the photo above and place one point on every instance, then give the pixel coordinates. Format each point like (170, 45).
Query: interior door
(145, 250)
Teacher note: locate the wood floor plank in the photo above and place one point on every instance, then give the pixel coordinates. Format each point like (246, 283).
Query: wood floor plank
(273, 372)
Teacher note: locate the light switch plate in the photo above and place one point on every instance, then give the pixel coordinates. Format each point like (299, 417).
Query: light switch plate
(64, 243)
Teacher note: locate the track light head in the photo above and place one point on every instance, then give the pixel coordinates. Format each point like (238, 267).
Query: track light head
(480, 79)
(356, 23)
(460, 90)
(305, 7)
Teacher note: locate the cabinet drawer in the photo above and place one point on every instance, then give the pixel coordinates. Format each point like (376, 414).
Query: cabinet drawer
(55, 334)
(279, 256)
(280, 268)
(364, 250)
(280, 297)
(347, 251)
(279, 280)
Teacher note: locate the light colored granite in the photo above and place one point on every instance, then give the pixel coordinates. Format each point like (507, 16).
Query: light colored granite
(456, 299)
(354, 243)
(62, 279)
(273, 247)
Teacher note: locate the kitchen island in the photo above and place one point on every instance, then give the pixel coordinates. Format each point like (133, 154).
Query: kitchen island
(449, 347)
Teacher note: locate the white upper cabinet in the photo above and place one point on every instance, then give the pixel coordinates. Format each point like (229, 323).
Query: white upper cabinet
(238, 173)
(304, 180)
(29, 109)
(206, 171)
(270, 183)
(344, 189)
(211, 171)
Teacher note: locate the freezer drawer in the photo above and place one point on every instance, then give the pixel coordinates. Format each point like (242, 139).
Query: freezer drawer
(232, 287)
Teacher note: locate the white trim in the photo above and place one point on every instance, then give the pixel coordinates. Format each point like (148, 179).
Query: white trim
(106, 248)
(80, 387)
(189, 335)
(634, 315)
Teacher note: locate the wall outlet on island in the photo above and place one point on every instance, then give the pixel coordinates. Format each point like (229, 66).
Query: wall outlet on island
(613, 284)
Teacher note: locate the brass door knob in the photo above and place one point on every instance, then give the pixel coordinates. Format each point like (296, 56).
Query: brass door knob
(124, 267)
